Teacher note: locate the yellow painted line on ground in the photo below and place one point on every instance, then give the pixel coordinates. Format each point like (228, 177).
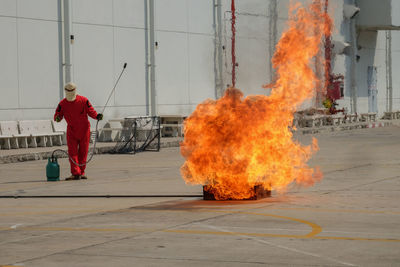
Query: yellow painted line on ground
(316, 229)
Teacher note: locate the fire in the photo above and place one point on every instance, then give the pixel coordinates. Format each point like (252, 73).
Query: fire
(237, 142)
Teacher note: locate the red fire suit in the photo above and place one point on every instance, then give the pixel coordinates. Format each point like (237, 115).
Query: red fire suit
(78, 130)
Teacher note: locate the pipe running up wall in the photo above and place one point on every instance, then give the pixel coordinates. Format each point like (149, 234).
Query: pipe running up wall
(389, 87)
(273, 33)
(353, 91)
(150, 59)
(217, 26)
(233, 48)
(67, 41)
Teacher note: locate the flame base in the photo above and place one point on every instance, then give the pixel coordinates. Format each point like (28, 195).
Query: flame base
(259, 192)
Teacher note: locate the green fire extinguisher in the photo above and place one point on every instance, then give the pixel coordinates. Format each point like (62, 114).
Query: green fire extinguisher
(53, 169)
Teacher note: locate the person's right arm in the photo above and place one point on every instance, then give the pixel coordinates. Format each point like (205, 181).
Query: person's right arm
(59, 114)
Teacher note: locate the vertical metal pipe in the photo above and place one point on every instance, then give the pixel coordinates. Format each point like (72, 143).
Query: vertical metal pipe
(319, 85)
(135, 135)
(217, 26)
(146, 47)
(390, 74)
(328, 52)
(353, 34)
(322, 91)
(60, 49)
(389, 87)
(152, 60)
(219, 23)
(233, 48)
(67, 41)
(273, 17)
(159, 132)
(214, 25)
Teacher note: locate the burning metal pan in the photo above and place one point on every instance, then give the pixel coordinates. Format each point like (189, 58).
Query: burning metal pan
(259, 193)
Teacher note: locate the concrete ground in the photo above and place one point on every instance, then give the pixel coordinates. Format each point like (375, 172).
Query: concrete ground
(350, 218)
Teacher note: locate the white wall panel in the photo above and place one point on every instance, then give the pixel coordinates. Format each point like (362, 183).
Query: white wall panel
(362, 105)
(395, 77)
(338, 64)
(122, 112)
(8, 64)
(172, 68)
(171, 15)
(395, 40)
(38, 63)
(184, 110)
(251, 26)
(37, 114)
(129, 48)
(395, 12)
(255, 7)
(38, 9)
(8, 7)
(381, 40)
(395, 69)
(28, 114)
(129, 13)
(93, 62)
(200, 15)
(283, 7)
(92, 11)
(184, 61)
(253, 58)
(201, 68)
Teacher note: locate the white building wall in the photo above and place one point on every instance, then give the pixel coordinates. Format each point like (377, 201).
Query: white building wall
(252, 40)
(30, 53)
(184, 57)
(396, 68)
(109, 33)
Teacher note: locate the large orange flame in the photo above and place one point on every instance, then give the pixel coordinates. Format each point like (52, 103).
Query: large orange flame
(235, 143)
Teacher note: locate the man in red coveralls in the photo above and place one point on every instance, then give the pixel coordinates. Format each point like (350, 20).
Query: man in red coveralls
(75, 109)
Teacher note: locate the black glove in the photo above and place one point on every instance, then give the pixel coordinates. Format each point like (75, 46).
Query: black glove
(99, 117)
(58, 119)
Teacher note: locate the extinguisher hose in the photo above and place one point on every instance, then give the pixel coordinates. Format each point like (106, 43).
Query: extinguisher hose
(97, 125)
(71, 159)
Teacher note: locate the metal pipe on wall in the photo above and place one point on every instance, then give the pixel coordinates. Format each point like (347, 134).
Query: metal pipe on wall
(217, 25)
(60, 16)
(273, 20)
(146, 63)
(353, 36)
(153, 110)
(389, 80)
(215, 49)
(233, 43)
(67, 41)
(219, 21)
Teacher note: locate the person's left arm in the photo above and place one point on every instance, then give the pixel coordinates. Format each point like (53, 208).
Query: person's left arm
(91, 111)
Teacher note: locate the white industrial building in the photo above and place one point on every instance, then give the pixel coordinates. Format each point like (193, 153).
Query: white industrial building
(178, 53)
